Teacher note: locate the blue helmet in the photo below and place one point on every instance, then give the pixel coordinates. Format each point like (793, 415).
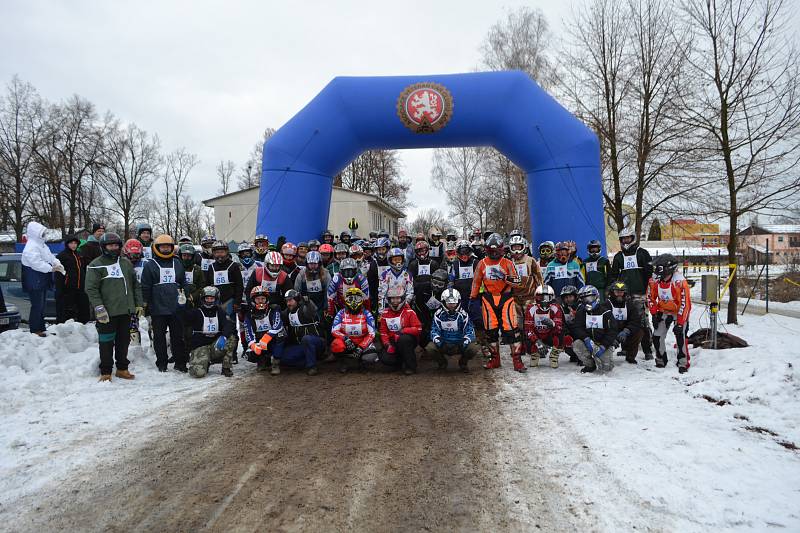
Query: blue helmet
(382, 242)
(397, 252)
(589, 296)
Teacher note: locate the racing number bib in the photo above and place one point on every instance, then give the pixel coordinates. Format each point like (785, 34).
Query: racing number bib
(393, 323)
(594, 321)
(620, 313)
(522, 270)
(294, 319)
(262, 324)
(206, 263)
(561, 272)
(630, 263)
(114, 271)
(449, 325)
(591, 267)
(189, 277)
(166, 275)
(271, 286)
(465, 272)
(665, 294)
(314, 285)
(424, 270)
(210, 324)
(353, 330)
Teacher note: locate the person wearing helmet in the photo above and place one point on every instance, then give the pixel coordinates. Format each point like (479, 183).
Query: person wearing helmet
(273, 278)
(544, 322)
(71, 302)
(397, 275)
(436, 245)
(213, 339)
(562, 270)
(195, 281)
(260, 247)
(304, 342)
(378, 268)
(348, 277)
(340, 252)
(264, 330)
(326, 252)
(290, 266)
(633, 265)
(144, 233)
(595, 331)
(345, 238)
(132, 251)
(367, 247)
(313, 245)
(596, 267)
(670, 304)
(450, 254)
(353, 331)
(206, 253)
(115, 294)
(529, 274)
(401, 332)
(546, 253)
(495, 277)
(188, 240)
(569, 307)
(247, 260)
(421, 267)
(226, 275)
(625, 312)
(163, 284)
(302, 251)
(451, 236)
(356, 253)
(478, 248)
(313, 281)
(452, 333)
(426, 306)
(327, 237)
(463, 269)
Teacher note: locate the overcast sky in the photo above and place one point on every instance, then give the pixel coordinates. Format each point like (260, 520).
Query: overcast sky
(211, 76)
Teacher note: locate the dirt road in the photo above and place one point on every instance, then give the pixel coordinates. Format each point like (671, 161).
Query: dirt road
(359, 452)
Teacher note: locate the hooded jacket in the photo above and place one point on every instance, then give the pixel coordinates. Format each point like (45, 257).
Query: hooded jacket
(74, 265)
(37, 260)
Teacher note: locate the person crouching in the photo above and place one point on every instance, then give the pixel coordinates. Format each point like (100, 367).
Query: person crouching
(452, 333)
(596, 331)
(400, 332)
(213, 337)
(263, 331)
(353, 331)
(304, 343)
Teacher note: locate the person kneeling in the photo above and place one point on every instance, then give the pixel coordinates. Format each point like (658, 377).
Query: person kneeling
(400, 331)
(304, 342)
(213, 336)
(452, 333)
(353, 331)
(264, 331)
(596, 331)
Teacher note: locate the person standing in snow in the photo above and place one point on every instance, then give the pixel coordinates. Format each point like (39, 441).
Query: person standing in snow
(71, 301)
(90, 250)
(115, 294)
(670, 304)
(38, 265)
(633, 265)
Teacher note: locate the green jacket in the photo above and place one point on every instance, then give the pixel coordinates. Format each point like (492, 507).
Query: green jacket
(596, 270)
(194, 290)
(121, 294)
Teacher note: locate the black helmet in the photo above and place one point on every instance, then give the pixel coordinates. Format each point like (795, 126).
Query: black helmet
(664, 266)
(494, 246)
(616, 287)
(110, 238)
(291, 294)
(569, 290)
(593, 243)
(439, 280)
(143, 226)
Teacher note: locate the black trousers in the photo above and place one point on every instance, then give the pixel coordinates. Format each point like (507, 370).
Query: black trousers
(403, 355)
(114, 339)
(160, 324)
(72, 304)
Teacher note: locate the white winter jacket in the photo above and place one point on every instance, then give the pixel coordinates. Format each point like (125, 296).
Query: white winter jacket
(36, 254)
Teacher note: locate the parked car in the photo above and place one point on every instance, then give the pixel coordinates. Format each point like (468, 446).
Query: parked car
(15, 297)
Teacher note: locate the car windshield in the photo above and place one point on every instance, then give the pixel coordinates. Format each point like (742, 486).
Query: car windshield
(10, 271)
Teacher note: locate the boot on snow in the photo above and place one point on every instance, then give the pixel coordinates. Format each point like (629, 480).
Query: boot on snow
(275, 367)
(554, 353)
(312, 371)
(105, 377)
(123, 374)
(494, 362)
(534, 359)
(588, 368)
(462, 364)
(227, 372)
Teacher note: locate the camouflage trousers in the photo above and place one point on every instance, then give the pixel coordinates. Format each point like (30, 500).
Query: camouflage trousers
(202, 357)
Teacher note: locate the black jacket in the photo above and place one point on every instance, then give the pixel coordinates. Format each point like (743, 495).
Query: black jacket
(627, 317)
(235, 286)
(636, 278)
(195, 319)
(605, 335)
(422, 282)
(90, 251)
(162, 298)
(306, 316)
(75, 267)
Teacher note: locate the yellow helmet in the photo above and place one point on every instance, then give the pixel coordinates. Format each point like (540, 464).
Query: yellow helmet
(160, 241)
(354, 299)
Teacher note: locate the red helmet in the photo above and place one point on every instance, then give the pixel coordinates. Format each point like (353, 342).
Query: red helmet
(132, 249)
(258, 290)
(422, 248)
(326, 249)
(289, 248)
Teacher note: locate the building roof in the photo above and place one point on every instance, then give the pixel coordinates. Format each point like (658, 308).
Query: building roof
(763, 229)
(372, 198)
(760, 249)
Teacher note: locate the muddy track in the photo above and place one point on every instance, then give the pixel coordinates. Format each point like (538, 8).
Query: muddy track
(359, 452)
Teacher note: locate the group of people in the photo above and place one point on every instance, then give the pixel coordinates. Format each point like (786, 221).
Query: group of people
(379, 300)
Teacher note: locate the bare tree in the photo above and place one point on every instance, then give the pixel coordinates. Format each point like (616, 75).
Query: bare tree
(20, 110)
(376, 172)
(225, 170)
(250, 175)
(175, 174)
(428, 219)
(747, 103)
(458, 173)
(128, 167)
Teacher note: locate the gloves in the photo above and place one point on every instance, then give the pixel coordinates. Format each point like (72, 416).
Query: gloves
(220, 344)
(466, 342)
(589, 345)
(58, 267)
(265, 340)
(437, 340)
(678, 329)
(101, 314)
(350, 345)
(600, 351)
(255, 347)
(548, 322)
(657, 318)
(140, 311)
(358, 351)
(623, 336)
(541, 348)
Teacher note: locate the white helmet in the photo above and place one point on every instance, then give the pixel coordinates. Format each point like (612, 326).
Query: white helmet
(544, 294)
(517, 240)
(451, 297)
(627, 232)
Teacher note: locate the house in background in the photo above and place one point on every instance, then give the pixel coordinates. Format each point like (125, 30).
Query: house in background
(235, 213)
(784, 243)
(692, 230)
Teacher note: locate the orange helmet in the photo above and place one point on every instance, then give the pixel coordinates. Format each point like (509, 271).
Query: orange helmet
(258, 290)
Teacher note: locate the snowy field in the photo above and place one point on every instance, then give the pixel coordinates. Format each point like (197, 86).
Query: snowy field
(712, 449)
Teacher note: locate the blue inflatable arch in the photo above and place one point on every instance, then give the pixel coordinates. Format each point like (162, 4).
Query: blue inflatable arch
(506, 110)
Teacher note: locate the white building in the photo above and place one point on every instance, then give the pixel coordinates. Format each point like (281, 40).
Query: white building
(235, 213)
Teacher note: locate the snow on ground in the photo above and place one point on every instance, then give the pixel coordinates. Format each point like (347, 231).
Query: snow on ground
(708, 450)
(56, 415)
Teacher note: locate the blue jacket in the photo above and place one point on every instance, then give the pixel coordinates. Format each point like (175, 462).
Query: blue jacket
(452, 328)
(559, 275)
(161, 296)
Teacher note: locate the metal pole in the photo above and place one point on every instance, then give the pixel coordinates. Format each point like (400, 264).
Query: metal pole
(767, 279)
(719, 270)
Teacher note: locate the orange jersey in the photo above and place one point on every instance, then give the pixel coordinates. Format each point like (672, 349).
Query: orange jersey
(670, 297)
(493, 274)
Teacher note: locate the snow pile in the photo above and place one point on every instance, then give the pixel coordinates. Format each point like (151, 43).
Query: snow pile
(56, 415)
(705, 451)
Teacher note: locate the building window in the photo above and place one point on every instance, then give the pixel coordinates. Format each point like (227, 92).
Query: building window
(780, 238)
